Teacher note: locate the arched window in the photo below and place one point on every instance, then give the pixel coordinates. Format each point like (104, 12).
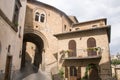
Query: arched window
(42, 18)
(37, 16)
(73, 71)
(72, 48)
(91, 43)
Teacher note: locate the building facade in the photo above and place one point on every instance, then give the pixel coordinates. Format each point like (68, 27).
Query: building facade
(55, 41)
(12, 17)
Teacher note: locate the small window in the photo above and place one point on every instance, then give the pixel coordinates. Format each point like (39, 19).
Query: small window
(20, 32)
(70, 30)
(42, 18)
(94, 26)
(37, 16)
(9, 47)
(16, 12)
(77, 28)
(65, 27)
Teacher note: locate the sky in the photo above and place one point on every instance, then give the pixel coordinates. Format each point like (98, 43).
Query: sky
(86, 10)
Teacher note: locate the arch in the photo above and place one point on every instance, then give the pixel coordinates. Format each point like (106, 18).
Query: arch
(93, 72)
(41, 35)
(72, 47)
(40, 41)
(91, 43)
(33, 38)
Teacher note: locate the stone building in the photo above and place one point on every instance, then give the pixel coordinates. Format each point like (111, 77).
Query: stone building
(55, 43)
(116, 67)
(12, 17)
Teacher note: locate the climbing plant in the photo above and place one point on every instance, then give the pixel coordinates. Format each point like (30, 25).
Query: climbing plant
(90, 66)
(61, 73)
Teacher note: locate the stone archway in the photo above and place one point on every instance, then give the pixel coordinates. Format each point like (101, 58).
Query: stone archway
(38, 42)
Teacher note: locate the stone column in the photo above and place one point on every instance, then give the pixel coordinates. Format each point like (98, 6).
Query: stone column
(43, 60)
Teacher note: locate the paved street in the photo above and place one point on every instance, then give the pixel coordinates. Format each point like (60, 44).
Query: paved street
(30, 74)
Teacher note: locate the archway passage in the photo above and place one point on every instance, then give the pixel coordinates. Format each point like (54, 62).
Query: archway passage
(38, 42)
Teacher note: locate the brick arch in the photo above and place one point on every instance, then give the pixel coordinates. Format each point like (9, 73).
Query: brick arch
(72, 48)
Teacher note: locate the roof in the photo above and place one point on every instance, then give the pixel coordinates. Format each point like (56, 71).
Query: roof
(74, 19)
(91, 21)
(108, 28)
(50, 7)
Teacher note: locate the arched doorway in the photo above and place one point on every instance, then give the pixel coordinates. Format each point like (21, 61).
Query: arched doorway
(93, 72)
(38, 48)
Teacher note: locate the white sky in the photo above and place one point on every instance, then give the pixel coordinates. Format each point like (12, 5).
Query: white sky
(86, 10)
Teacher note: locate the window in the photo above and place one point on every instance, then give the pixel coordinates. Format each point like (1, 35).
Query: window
(65, 28)
(73, 71)
(16, 12)
(37, 15)
(91, 43)
(72, 48)
(42, 18)
(94, 26)
(9, 47)
(77, 28)
(19, 32)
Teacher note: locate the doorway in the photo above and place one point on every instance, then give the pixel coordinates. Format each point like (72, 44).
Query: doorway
(32, 51)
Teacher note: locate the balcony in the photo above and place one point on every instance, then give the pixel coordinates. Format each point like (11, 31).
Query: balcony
(91, 53)
(83, 56)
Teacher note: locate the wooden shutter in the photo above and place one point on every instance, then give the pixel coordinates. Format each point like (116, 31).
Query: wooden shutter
(72, 47)
(91, 43)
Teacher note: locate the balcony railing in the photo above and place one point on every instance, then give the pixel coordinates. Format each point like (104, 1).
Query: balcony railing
(83, 53)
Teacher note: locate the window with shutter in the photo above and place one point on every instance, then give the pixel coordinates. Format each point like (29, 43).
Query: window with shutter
(91, 43)
(72, 48)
